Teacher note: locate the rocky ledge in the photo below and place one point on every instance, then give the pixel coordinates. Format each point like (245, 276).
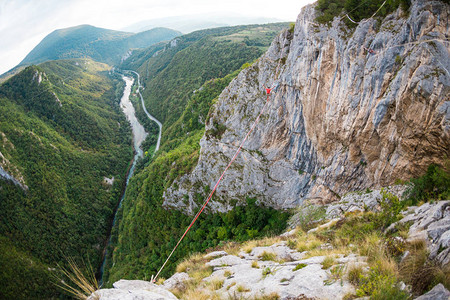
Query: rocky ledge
(277, 268)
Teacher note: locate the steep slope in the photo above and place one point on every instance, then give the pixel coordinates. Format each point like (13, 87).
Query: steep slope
(102, 45)
(341, 118)
(62, 134)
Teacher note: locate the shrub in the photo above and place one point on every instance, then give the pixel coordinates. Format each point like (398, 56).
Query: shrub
(379, 285)
(310, 216)
(291, 27)
(434, 184)
(390, 209)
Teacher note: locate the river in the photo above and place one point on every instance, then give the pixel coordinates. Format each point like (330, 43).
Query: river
(139, 135)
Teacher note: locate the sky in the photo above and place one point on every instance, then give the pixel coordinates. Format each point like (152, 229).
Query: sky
(24, 23)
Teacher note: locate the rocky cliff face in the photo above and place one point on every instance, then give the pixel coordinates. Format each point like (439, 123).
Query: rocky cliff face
(340, 118)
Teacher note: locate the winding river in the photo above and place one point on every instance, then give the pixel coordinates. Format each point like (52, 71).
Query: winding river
(139, 135)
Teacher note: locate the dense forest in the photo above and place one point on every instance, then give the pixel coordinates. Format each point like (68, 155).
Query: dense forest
(188, 79)
(62, 133)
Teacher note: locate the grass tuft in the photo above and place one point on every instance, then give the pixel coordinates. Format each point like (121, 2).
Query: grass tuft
(82, 281)
(267, 256)
(328, 262)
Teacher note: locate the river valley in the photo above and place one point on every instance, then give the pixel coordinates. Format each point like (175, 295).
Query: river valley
(139, 135)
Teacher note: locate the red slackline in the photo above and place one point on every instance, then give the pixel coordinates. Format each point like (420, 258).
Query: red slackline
(215, 187)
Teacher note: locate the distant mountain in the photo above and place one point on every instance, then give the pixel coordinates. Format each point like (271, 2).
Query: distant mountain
(100, 44)
(187, 24)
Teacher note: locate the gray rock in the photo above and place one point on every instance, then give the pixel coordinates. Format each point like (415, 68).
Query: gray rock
(133, 290)
(229, 260)
(215, 254)
(430, 223)
(176, 281)
(439, 292)
(362, 201)
(280, 252)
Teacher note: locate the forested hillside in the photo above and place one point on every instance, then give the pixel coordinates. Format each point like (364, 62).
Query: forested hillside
(182, 82)
(103, 45)
(61, 134)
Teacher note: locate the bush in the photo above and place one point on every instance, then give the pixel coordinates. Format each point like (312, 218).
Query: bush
(435, 184)
(390, 209)
(310, 216)
(380, 285)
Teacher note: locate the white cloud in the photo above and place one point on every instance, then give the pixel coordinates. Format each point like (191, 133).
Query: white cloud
(24, 23)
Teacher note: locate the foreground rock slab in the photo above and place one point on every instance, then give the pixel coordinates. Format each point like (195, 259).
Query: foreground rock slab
(439, 292)
(133, 290)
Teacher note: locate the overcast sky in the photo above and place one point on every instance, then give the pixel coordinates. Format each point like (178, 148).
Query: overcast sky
(24, 23)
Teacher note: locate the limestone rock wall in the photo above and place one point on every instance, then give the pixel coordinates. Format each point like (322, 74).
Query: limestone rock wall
(340, 119)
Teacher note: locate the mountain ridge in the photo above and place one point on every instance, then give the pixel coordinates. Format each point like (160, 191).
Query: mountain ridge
(103, 45)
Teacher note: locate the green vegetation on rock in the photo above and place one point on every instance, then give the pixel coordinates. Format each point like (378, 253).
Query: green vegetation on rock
(356, 9)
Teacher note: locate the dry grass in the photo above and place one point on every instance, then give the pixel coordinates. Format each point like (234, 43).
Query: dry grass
(307, 242)
(419, 271)
(268, 256)
(190, 262)
(268, 241)
(232, 248)
(83, 280)
(328, 262)
(354, 273)
(160, 280)
(216, 284)
(255, 264)
(271, 296)
(231, 285)
(242, 289)
(328, 252)
(195, 294)
(372, 246)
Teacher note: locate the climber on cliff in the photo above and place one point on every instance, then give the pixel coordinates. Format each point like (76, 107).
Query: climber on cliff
(268, 90)
(371, 51)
